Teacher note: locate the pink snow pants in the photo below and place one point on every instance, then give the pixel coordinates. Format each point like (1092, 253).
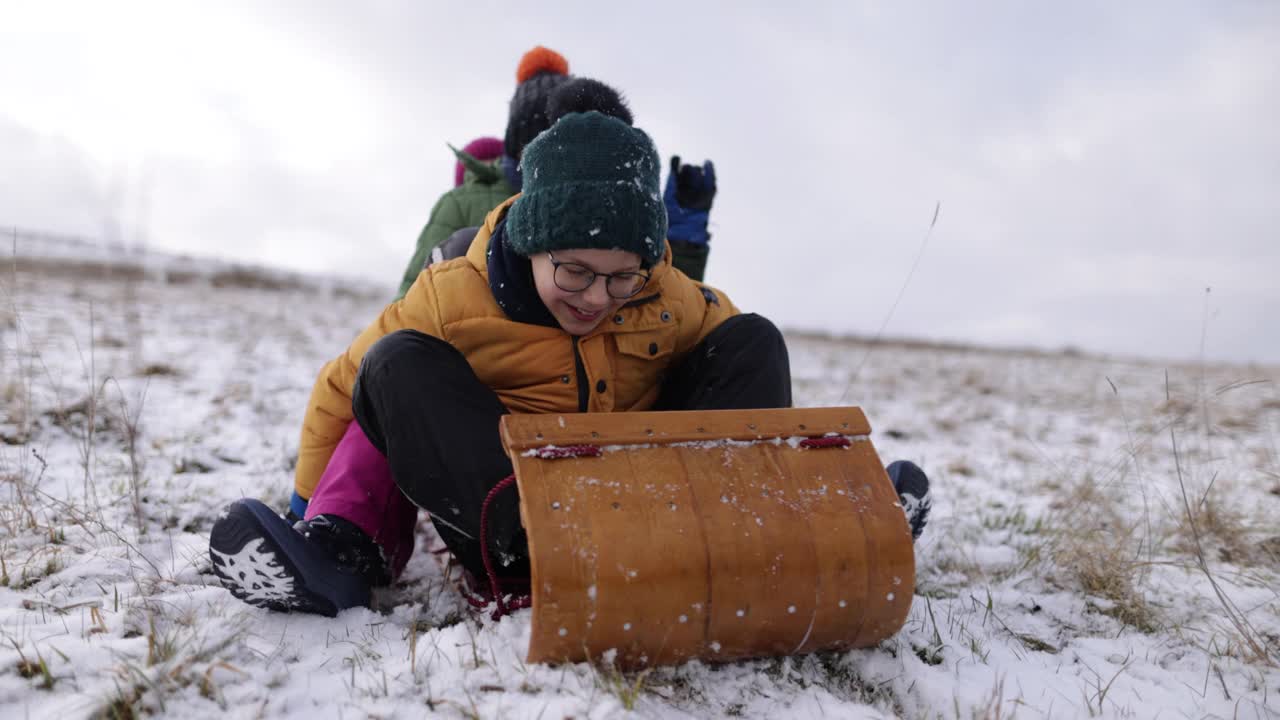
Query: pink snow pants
(357, 486)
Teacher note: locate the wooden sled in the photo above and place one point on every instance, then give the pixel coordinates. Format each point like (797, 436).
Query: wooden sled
(708, 534)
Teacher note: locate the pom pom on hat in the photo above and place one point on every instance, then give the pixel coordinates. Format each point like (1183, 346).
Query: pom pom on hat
(583, 95)
(541, 59)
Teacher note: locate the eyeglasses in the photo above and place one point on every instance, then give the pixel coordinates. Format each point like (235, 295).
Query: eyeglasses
(573, 277)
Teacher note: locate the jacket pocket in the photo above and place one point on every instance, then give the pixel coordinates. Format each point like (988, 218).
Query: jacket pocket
(645, 345)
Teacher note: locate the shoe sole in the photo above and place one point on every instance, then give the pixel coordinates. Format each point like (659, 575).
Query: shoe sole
(250, 548)
(912, 486)
(917, 512)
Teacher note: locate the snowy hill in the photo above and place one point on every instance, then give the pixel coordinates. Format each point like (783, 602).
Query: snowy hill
(1076, 564)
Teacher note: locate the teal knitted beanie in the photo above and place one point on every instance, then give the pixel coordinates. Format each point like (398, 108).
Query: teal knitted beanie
(590, 182)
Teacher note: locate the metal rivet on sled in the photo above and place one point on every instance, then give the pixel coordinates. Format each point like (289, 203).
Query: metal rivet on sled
(564, 379)
(653, 348)
(601, 386)
(617, 319)
(666, 316)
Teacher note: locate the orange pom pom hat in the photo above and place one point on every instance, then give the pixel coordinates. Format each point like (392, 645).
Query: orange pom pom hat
(541, 71)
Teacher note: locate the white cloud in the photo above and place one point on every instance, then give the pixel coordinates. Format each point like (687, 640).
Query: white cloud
(1098, 165)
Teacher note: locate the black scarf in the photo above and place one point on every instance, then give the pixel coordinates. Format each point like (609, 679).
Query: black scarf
(511, 280)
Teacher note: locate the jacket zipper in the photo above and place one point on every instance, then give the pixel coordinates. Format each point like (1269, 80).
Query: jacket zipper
(584, 393)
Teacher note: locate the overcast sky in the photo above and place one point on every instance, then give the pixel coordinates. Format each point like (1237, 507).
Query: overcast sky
(1099, 164)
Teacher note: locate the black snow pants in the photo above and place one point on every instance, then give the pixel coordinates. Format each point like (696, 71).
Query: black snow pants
(420, 404)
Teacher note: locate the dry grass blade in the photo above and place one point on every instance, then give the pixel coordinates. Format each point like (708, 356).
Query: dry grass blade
(84, 519)
(1248, 633)
(924, 244)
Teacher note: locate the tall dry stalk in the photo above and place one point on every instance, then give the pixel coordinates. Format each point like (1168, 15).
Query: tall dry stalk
(130, 418)
(91, 418)
(1248, 633)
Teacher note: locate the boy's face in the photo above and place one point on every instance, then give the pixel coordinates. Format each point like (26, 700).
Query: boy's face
(580, 312)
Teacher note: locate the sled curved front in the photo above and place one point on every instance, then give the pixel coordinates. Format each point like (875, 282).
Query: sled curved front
(708, 534)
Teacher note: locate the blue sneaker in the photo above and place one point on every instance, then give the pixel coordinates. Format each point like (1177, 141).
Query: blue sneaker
(266, 562)
(912, 486)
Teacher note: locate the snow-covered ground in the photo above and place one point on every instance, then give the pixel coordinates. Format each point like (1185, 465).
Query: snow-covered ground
(1061, 575)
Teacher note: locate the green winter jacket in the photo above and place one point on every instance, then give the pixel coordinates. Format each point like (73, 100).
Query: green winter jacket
(689, 258)
(483, 188)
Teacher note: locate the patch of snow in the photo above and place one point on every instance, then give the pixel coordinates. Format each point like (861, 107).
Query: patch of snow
(1003, 434)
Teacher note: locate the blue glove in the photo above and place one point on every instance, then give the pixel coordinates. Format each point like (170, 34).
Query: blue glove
(688, 196)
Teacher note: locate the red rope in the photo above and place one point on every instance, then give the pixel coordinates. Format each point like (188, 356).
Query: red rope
(825, 442)
(550, 452)
(495, 588)
(555, 452)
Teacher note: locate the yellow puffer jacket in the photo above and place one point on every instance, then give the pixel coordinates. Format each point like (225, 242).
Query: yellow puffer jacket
(530, 367)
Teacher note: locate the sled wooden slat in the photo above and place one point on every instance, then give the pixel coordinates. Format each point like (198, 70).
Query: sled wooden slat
(708, 534)
(522, 432)
(842, 565)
